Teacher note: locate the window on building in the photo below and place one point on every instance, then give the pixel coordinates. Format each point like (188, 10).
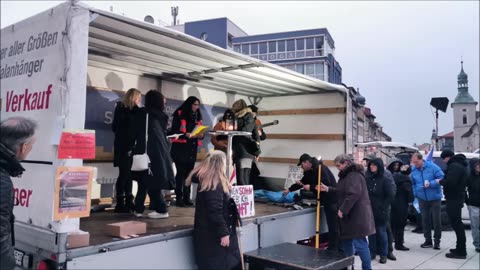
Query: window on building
(237, 48)
(281, 45)
(310, 69)
(291, 67)
(300, 44)
(464, 110)
(291, 45)
(229, 40)
(300, 68)
(272, 46)
(246, 49)
(310, 43)
(263, 47)
(319, 46)
(464, 119)
(254, 48)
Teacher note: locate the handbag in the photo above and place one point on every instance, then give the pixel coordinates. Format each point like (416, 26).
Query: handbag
(142, 162)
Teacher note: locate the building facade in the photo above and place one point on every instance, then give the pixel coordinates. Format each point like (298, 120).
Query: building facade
(466, 121)
(310, 52)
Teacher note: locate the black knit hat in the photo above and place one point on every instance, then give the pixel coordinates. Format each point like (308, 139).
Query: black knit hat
(447, 153)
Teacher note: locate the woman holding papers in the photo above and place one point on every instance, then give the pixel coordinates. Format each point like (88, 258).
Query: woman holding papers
(184, 148)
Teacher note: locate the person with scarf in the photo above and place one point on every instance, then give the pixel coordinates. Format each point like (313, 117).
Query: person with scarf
(184, 148)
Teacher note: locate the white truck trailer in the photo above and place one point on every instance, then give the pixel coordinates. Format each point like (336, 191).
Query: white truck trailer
(66, 67)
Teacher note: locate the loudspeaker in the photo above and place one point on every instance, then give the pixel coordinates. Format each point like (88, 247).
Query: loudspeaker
(440, 103)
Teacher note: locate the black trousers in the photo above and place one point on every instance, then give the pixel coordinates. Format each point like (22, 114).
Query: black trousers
(142, 192)
(184, 168)
(123, 186)
(331, 214)
(454, 212)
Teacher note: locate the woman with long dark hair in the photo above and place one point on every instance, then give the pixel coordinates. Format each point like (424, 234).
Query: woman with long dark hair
(184, 148)
(126, 117)
(160, 175)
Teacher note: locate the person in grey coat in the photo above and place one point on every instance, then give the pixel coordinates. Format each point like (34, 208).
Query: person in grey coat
(17, 136)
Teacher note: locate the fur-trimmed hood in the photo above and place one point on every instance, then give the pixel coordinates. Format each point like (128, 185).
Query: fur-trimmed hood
(354, 167)
(242, 113)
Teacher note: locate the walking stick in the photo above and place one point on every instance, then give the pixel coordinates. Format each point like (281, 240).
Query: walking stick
(240, 244)
(317, 227)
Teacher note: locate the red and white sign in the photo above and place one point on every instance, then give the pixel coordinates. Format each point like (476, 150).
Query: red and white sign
(244, 199)
(77, 144)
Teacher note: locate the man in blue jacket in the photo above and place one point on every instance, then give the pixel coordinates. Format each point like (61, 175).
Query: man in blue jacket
(429, 193)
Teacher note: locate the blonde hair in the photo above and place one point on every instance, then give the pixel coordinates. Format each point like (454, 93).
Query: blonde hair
(211, 172)
(239, 105)
(129, 98)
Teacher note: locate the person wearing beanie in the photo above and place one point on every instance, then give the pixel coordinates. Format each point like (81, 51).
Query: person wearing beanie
(454, 184)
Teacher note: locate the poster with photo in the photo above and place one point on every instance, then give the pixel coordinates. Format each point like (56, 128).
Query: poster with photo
(72, 192)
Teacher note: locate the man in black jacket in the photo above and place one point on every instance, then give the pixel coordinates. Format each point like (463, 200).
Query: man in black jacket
(454, 184)
(16, 141)
(309, 182)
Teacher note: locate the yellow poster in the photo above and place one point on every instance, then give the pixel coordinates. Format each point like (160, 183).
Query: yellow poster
(72, 192)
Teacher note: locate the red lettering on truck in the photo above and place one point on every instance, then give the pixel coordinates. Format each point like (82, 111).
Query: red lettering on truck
(22, 196)
(29, 101)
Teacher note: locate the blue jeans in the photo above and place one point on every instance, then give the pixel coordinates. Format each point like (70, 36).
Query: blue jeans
(361, 246)
(378, 242)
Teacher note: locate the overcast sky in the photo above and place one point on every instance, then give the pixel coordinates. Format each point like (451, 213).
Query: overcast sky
(400, 54)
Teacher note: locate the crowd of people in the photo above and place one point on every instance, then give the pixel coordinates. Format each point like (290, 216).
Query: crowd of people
(366, 209)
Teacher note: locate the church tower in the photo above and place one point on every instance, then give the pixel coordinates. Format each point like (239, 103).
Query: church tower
(464, 112)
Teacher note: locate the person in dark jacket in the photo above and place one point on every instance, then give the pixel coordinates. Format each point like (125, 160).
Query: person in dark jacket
(215, 238)
(309, 183)
(160, 175)
(17, 137)
(381, 195)
(244, 148)
(403, 196)
(454, 184)
(473, 201)
(126, 117)
(389, 176)
(184, 148)
(354, 211)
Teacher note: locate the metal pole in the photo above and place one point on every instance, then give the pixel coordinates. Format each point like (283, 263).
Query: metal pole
(317, 227)
(229, 155)
(436, 128)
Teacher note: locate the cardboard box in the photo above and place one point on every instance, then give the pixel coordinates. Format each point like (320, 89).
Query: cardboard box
(126, 228)
(78, 239)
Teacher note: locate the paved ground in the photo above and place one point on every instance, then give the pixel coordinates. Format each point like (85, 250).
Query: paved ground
(420, 258)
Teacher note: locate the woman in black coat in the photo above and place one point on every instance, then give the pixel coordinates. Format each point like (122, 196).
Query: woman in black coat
(403, 196)
(126, 117)
(216, 217)
(184, 148)
(160, 174)
(380, 192)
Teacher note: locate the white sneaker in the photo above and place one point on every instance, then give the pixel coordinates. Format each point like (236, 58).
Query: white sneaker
(138, 214)
(155, 214)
